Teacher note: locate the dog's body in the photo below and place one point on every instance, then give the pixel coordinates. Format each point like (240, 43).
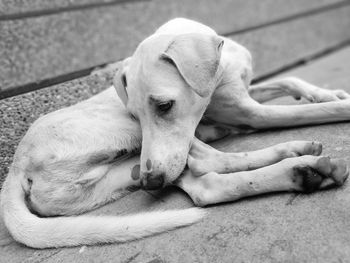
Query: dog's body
(79, 158)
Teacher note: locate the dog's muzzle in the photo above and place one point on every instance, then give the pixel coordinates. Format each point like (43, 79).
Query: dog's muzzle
(152, 181)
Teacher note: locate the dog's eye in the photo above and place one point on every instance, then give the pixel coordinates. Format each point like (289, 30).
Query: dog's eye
(164, 107)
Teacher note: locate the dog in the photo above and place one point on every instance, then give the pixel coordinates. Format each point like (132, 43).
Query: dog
(184, 86)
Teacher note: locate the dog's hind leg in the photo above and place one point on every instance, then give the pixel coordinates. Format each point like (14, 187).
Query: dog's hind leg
(77, 158)
(249, 113)
(203, 158)
(304, 174)
(295, 87)
(95, 186)
(261, 116)
(232, 105)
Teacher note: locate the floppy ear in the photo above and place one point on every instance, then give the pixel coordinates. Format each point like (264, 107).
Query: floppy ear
(197, 58)
(120, 81)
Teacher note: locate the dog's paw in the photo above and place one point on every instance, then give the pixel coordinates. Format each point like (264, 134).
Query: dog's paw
(324, 173)
(323, 95)
(299, 148)
(318, 95)
(302, 89)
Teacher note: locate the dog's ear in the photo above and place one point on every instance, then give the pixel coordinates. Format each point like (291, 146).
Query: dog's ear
(120, 82)
(197, 58)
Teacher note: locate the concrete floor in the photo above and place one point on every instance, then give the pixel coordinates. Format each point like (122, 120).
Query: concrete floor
(284, 227)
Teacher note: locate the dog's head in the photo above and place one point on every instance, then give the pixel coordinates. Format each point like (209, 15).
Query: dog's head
(167, 85)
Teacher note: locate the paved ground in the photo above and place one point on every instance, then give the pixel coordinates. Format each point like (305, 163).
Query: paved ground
(284, 227)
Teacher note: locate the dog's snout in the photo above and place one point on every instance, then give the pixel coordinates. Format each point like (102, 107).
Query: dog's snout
(152, 181)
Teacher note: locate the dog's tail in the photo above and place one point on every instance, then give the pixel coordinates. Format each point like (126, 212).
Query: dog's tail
(37, 232)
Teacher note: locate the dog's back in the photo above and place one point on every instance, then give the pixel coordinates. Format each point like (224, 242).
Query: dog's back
(180, 26)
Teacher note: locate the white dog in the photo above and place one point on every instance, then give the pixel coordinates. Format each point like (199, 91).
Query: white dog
(182, 83)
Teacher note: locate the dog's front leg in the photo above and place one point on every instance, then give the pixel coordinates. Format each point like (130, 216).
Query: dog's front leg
(295, 87)
(203, 158)
(305, 174)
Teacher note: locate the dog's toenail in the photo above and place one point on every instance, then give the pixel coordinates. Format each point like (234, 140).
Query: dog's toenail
(135, 172)
(149, 164)
(30, 181)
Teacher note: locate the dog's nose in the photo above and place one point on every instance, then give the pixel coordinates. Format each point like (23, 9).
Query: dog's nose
(152, 181)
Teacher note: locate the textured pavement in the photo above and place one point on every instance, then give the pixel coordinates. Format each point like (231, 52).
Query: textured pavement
(40, 47)
(284, 227)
